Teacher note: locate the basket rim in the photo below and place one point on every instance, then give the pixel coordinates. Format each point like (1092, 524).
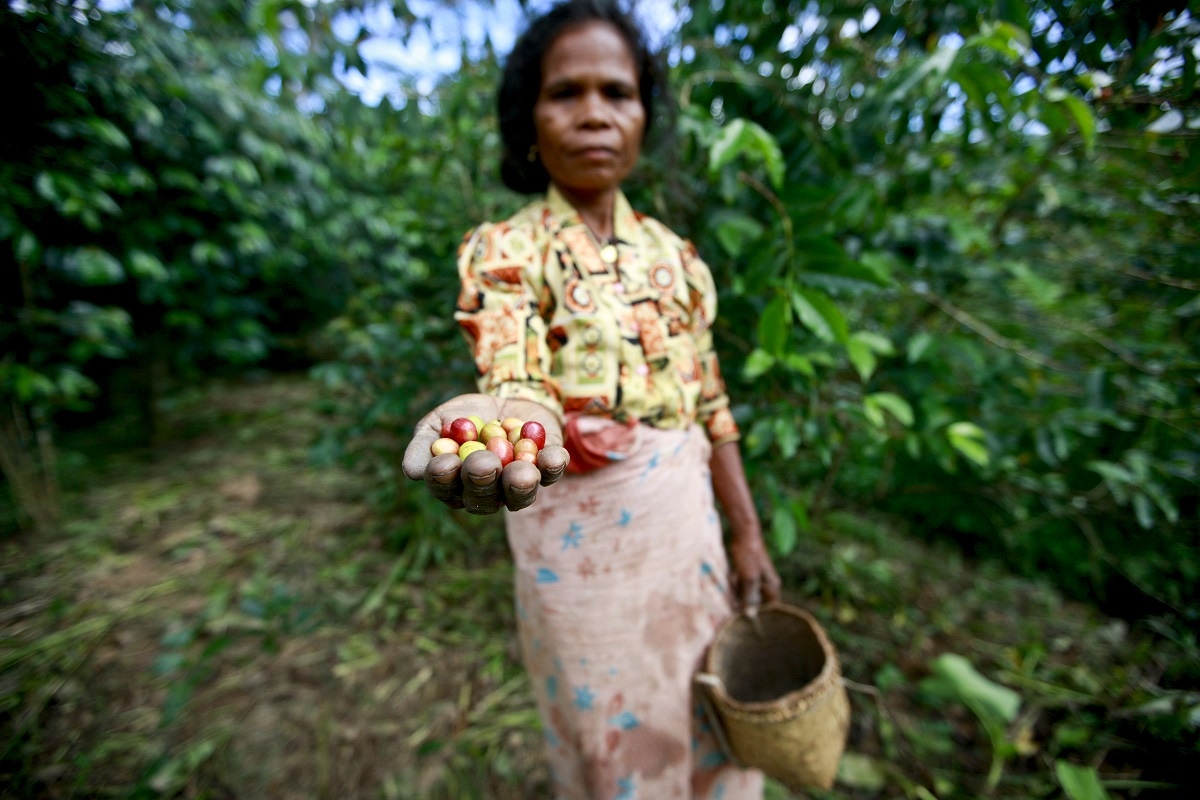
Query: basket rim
(807, 695)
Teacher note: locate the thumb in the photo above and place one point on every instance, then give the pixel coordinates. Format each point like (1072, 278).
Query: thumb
(752, 597)
(417, 454)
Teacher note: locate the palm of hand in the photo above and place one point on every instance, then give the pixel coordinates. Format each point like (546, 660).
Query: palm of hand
(479, 483)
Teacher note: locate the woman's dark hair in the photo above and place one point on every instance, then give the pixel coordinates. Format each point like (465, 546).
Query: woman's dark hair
(522, 83)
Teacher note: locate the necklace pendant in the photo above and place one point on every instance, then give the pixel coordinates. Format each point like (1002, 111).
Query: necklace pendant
(608, 253)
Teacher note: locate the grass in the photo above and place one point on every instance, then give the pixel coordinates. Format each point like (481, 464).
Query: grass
(220, 618)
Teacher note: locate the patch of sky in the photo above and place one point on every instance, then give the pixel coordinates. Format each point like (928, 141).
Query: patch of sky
(951, 41)
(1064, 64)
(420, 55)
(952, 118)
(1036, 128)
(795, 36)
(1110, 53)
(870, 18)
(1181, 22)
(267, 51)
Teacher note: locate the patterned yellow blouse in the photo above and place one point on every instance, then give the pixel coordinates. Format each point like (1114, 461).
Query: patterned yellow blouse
(552, 321)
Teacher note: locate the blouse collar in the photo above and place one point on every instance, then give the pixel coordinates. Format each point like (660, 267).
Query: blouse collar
(624, 219)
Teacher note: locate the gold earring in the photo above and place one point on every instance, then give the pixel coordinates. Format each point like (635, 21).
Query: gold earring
(533, 153)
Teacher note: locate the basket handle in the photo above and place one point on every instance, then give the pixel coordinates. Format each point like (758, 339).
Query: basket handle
(706, 682)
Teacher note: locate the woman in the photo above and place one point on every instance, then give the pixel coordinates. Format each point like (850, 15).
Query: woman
(595, 321)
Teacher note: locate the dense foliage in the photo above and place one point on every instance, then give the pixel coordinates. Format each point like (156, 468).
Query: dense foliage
(971, 268)
(954, 245)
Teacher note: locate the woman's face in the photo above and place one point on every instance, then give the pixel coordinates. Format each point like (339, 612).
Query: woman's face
(588, 115)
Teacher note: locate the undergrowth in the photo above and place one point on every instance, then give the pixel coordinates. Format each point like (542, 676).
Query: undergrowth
(219, 617)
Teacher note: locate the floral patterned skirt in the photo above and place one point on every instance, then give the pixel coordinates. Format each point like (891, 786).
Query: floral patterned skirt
(621, 581)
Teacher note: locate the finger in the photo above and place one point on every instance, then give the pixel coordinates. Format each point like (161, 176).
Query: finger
(772, 588)
(752, 597)
(417, 455)
(552, 460)
(481, 482)
(442, 476)
(519, 483)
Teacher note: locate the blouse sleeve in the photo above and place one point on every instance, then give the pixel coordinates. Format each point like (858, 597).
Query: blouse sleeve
(712, 410)
(502, 309)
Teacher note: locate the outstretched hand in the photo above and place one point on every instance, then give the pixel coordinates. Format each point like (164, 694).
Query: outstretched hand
(479, 483)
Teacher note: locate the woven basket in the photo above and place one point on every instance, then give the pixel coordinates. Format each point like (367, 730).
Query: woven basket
(773, 689)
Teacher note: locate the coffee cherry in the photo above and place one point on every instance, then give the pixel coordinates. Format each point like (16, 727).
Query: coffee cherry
(463, 430)
(492, 430)
(466, 448)
(502, 448)
(535, 431)
(443, 445)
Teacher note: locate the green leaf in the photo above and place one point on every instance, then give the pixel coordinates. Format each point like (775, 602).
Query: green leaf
(880, 265)
(993, 703)
(145, 266)
(861, 357)
(894, 404)
(860, 771)
(783, 530)
(1079, 783)
(46, 188)
(774, 325)
(1084, 118)
(27, 248)
(800, 363)
(1143, 510)
(1113, 473)
(758, 364)
(917, 346)
(743, 137)
(968, 439)
(95, 267)
(818, 313)
(73, 385)
(878, 343)
(733, 231)
(862, 348)
(1004, 38)
(787, 436)
(108, 133)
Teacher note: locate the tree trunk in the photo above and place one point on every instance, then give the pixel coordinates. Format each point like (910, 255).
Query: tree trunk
(29, 463)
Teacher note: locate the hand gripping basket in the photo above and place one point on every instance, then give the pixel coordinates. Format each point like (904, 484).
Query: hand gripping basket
(773, 689)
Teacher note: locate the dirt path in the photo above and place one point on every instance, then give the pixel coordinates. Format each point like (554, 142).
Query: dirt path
(218, 619)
